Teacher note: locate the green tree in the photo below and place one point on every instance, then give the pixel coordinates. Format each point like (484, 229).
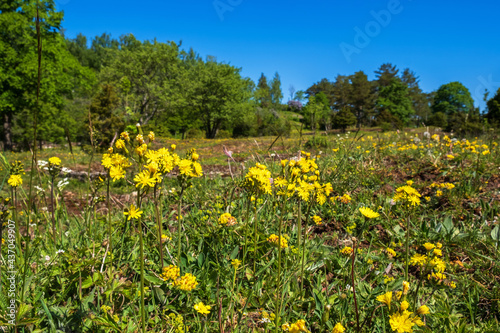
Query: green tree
(395, 99)
(147, 77)
(107, 120)
(62, 76)
(317, 110)
(324, 86)
(341, 93)
(452, 98)
(343, 119)
(276, 94)
(217, 94)
(263, 92)
(362, 98)
(419, 99)
(385, 74)
(493, 104)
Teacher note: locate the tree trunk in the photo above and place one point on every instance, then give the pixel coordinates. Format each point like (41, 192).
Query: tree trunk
(7, 126)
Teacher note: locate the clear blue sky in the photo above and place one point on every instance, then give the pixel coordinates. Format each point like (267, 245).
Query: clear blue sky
(305, 41)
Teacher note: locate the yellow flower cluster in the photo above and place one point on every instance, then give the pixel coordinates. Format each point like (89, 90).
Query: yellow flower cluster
(176, 322)
(161, 160)
(274, 240)
(402, 320)
(298, 326)
(258, 179)
(433, 261)
(170, 272)
(347, 250)
(116, 164)
(187, 282)
(190, 168)
(301, 178)
(226, 218)
(407, 194)
(448, 186)
(345, 199)
(317, 220)
(390, 252)
(338, 328)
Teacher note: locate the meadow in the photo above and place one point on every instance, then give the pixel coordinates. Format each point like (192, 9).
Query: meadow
(351, 232)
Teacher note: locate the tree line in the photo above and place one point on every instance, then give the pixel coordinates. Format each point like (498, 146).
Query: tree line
(91, 90)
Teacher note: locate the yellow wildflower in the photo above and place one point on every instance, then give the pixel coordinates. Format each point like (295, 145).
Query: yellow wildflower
(274, 240)
(386, 298)
(423, 310)
(202, 308)
(429, 246)
(401, 322)
(55, 161)
(15, 180)
(367, 212)
(187, 282)
(317, 220)
(338, 328)
(236, 263)
(347, 250)
(170, 272)
(133, 213)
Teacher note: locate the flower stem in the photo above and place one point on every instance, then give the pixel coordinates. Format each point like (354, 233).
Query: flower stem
(158, 220)
(179, 229)
(255, 238)
(278, 277)
(304, 251)
(109, 217)
(143, 315)
(53, 208)
(246, 230)
(353, 258)
(407, 247)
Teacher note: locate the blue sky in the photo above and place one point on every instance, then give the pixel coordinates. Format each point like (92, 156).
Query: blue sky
(305, 41)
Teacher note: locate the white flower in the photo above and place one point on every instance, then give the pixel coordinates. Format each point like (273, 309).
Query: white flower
(42, 163)
(39, 189)
(47, 258)
(59, 251)
(65, 170)
(427, 134)
(62, 183)
(265, 320)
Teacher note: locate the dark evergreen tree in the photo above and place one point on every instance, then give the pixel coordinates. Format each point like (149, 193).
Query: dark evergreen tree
(493, 114)
(385, 74)
(362, 98)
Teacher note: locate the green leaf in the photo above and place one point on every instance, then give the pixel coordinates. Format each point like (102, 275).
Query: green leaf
(234, 254)
(495, 233)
